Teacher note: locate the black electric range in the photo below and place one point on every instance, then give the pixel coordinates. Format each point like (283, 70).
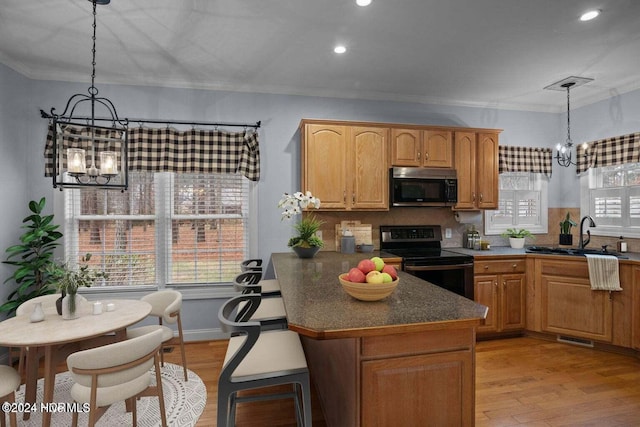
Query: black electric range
(420, 247)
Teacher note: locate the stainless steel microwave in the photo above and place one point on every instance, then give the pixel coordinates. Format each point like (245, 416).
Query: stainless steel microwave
(423, 187)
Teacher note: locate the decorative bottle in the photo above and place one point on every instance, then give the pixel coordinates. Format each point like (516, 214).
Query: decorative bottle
(37, 315)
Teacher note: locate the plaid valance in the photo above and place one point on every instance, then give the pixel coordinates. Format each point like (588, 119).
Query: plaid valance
(608, 152)
(171, 150)
(524, 159)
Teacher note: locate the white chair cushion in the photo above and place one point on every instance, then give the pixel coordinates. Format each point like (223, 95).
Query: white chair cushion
(269, 308)
(9, 380)
(167, 332)
(109, 395)
(273, 352)
(269, 285)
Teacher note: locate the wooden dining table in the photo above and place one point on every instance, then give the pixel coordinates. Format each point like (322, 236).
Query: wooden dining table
(56, 338)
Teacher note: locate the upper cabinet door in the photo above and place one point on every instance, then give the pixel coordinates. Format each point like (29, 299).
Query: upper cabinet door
(406, 147)
(437, 149)
(465, 162)
(487, 170)
(370, 189)
(324, 157)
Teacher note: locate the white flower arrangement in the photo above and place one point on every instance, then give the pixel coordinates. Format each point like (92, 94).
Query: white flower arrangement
(293, 204)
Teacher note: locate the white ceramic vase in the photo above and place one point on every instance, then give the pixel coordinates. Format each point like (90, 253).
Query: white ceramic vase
(37, 315)
(70, 308)
(516, 242)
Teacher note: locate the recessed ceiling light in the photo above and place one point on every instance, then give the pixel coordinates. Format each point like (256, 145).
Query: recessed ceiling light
(363, 2)
(340, 49)
(589, 15)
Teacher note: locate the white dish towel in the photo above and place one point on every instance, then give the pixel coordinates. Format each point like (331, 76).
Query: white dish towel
(603, 272)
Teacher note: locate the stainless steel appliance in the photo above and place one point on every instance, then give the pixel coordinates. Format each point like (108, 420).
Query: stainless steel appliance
(423, 187)
(420, 247)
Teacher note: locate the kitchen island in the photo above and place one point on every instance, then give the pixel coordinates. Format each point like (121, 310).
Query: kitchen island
(406, 360)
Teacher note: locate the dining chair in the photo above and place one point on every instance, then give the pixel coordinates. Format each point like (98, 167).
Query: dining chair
(270, 312)
(270, 287)
(9, 383)
(165, 305)
(257, 359)
(116, 372)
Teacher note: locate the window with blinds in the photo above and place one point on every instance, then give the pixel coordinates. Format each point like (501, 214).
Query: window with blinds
(614, 199)
(166, 229)
(522, 203)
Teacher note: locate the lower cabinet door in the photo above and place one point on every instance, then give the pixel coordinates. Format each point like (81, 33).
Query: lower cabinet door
(433, 389)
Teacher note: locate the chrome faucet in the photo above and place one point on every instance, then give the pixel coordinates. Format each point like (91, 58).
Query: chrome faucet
(583, 242)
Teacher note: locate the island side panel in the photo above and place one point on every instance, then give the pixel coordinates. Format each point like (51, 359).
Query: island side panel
(335, 371)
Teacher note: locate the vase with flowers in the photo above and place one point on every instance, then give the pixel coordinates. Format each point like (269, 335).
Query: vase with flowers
(306, 243)
(69, 280)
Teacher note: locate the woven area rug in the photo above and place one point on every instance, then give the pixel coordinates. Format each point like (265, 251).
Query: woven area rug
(184, 403)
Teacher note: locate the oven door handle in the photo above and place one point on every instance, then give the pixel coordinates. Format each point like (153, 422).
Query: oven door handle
(409, 268)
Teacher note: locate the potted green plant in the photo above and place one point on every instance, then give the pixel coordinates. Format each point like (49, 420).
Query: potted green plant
(69, 280)
(33, 258)
(517, 237)
(306, 243)
(566, 238)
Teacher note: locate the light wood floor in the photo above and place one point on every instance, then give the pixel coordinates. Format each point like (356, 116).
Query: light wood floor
(519, 382)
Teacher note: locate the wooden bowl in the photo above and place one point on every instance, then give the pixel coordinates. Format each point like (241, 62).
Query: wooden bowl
(367, 291)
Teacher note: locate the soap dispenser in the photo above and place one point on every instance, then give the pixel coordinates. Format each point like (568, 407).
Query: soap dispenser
(621, 245)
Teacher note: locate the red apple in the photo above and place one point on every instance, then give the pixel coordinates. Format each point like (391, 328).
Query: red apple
(374, 277)
(355, 275)
(391, 271)
(366, 265)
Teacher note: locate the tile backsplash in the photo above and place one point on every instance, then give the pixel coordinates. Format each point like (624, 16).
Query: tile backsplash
(446, 218)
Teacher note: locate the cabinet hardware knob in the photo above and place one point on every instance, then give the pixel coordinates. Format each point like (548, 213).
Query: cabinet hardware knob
(480, 196)
(418, 155)
(514, 265)
(353, 198)
(426, 156)
(473, 196)
(486, 267)
(344, 196)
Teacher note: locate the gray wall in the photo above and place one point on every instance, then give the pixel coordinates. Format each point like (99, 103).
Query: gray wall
(22, 134)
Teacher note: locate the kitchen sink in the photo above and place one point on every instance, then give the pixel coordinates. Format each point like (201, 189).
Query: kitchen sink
(571, 251)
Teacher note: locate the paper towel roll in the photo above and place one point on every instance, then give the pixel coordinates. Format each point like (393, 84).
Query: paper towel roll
(474, 217)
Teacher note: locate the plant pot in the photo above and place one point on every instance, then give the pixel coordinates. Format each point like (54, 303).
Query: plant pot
(305, 252)
(566, 239)
(516, 242)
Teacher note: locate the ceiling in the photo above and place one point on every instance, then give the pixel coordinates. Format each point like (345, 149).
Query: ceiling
(487, 53)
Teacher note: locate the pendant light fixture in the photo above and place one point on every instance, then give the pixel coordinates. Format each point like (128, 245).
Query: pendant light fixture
(87, 154)
(564, 151)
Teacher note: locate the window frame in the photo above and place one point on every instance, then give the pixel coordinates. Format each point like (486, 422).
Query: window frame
(590, 183)
(189, 290)
(540, 184)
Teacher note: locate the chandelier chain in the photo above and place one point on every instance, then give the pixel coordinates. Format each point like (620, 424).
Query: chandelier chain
(569, 142)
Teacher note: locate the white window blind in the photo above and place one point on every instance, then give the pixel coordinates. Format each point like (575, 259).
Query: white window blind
(613, 199)
(166, 229)
(522, 203)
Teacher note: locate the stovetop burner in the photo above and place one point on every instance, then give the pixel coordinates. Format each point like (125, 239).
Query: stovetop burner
(418, 244)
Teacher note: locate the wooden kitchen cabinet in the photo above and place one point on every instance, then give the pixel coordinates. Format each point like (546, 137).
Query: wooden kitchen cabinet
(417, 148)
(346, 167)
(568, 305)
(500, 284)
(476, 163)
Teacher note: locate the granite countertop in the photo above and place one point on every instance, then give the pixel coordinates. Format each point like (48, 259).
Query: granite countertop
(318, 307)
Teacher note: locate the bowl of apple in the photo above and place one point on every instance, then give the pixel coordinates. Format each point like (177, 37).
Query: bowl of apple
(371, 280)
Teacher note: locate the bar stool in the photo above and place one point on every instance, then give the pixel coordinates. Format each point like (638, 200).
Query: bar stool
(270, 287)
(270, 311)
(257, 359)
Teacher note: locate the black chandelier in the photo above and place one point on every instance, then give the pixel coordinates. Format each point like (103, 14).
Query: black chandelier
(86, 154)
(564, 151)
